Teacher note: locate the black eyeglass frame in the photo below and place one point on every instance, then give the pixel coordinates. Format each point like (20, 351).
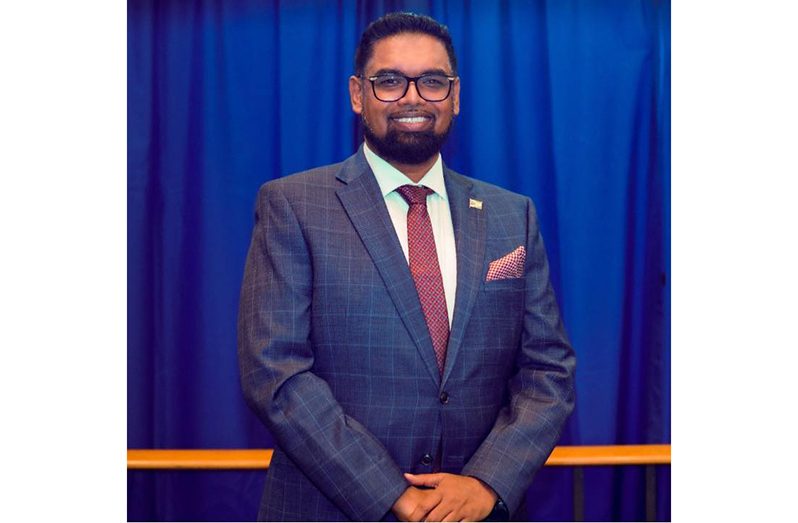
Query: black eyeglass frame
(409, 79)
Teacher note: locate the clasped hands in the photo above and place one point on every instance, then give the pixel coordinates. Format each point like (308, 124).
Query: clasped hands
(451, 498)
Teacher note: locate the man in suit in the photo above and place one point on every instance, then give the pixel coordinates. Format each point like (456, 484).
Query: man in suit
(398, 333)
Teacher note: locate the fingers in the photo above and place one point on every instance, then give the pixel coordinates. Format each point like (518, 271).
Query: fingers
(442, 513)
(452, 516)
(429, 500)
(419, 514)
(455, 515)
(424, 480)
(450, 498)
(414, 504)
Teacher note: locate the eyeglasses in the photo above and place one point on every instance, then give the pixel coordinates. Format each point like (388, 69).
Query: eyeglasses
(393, 87)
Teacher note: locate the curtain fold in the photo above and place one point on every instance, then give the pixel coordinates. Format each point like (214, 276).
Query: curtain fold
(567, 102)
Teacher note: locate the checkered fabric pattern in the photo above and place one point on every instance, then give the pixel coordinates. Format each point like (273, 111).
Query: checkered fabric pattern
(337, 360)
(425, 268)
(508, 266)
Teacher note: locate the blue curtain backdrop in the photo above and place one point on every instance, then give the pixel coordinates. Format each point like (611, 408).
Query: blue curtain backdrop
(567, 101)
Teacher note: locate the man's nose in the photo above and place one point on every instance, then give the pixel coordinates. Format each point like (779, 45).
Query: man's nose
(411, 96)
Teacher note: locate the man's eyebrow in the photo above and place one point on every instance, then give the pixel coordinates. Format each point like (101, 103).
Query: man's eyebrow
(402, 73)
(387, 71)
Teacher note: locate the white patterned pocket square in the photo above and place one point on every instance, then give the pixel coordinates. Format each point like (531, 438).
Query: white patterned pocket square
(508, 266)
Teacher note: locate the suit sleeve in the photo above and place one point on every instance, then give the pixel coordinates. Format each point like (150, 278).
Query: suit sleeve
(541, 392)
(347, 463)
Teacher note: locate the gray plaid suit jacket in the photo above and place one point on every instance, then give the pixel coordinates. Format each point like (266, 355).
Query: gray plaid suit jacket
(336, 359)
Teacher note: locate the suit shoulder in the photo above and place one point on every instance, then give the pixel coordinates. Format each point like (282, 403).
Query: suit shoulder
(315, 179)
(491, 191)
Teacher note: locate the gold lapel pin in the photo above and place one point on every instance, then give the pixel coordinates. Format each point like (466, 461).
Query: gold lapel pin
(475, 204)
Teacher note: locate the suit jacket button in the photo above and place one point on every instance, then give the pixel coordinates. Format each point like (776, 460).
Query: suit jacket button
(426, 460)
(444, 397)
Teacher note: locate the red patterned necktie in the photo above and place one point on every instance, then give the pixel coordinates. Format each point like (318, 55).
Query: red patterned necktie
(425, 268)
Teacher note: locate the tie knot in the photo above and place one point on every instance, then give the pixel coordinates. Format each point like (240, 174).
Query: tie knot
(414, 194)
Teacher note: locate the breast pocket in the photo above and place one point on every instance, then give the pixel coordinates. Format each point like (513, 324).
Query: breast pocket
(498, 316)
(505, 284)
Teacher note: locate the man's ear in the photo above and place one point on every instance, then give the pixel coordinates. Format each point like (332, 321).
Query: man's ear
(356, 94)
(456, 96)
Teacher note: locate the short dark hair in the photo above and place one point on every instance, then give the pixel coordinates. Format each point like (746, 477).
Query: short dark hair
(397, 23)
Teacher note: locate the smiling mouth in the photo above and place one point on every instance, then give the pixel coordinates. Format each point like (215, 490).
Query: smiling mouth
(412, 119)
(413, 122)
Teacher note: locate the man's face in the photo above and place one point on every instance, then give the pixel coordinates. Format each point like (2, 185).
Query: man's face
(410, 130)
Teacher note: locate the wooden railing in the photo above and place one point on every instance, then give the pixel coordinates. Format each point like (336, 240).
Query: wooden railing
(260, 458)
(564, 456)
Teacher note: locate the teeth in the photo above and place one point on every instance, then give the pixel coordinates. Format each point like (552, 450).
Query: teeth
(414, 119)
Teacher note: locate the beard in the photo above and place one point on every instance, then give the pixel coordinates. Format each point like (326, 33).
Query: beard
(408, 148)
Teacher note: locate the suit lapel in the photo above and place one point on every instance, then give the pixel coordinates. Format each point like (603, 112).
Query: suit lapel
(469, 236)
(363, 202)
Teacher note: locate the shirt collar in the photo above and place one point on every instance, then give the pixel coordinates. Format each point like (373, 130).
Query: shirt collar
(390, 178)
